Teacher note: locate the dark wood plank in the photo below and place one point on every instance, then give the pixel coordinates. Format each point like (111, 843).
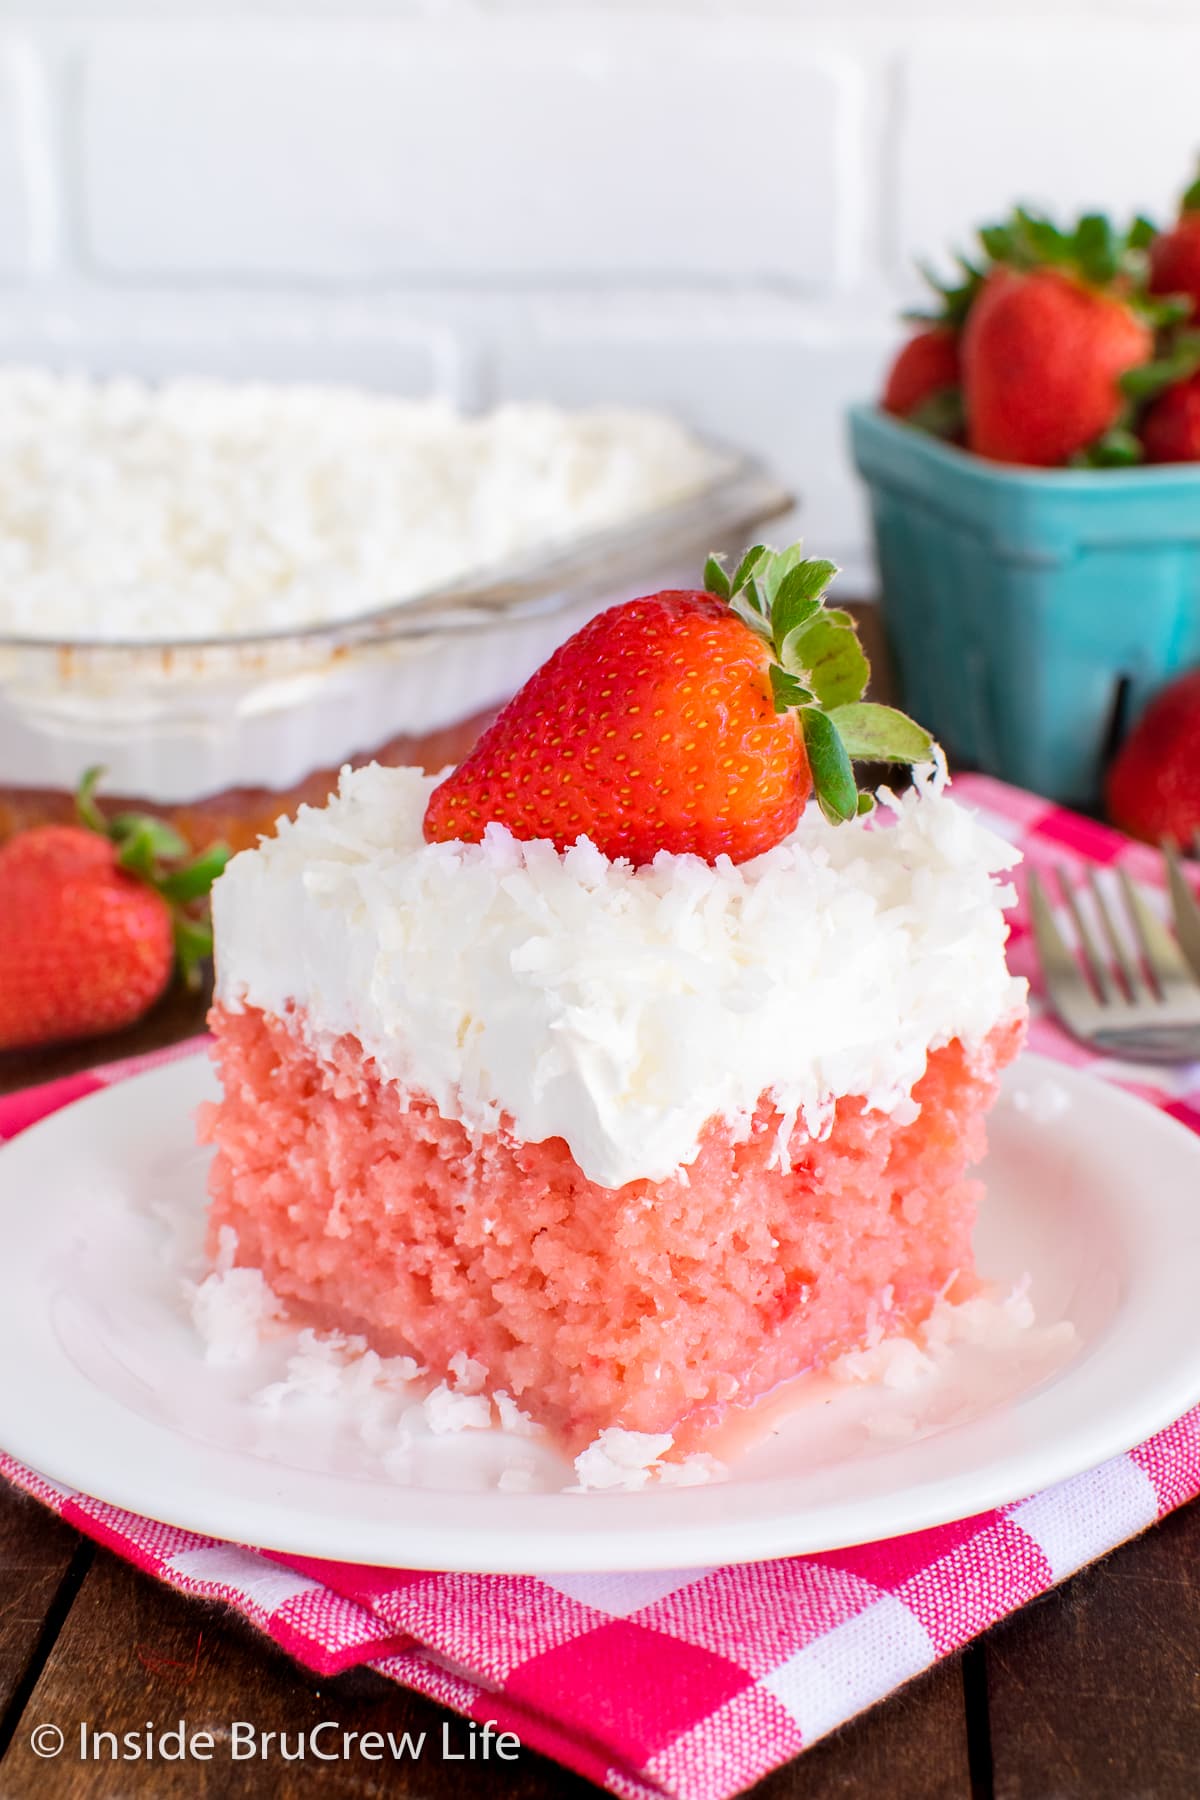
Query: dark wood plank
(38, 1558)
(132, 1651)
(1094, 1692)
(913, 1747)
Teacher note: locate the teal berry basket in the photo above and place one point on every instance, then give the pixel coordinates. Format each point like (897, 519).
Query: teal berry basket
(1031, 613)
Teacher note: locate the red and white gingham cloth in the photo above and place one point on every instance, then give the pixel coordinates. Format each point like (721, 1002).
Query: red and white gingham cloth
(692, 1683)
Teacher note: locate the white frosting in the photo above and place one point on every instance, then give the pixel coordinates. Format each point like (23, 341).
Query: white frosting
(622, 1009)
(204, 508)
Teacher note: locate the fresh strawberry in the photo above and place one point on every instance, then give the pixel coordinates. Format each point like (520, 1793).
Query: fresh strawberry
(1058, 341)
(1175, 255)
(1170, 428)
(923, 381)
(1153, 787)
(91, 924)
(1043, 354)
(689, 721)
(1175, 262)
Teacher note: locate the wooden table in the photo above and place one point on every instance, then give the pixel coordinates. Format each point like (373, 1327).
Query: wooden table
(1092, 1693)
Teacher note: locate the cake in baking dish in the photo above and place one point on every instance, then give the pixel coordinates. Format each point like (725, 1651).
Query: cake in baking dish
(643, 1135)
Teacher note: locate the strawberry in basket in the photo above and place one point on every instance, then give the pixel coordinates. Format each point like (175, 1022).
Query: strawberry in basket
(1175, 254)
(924, 383)
(1046, 349)
(1059, 320)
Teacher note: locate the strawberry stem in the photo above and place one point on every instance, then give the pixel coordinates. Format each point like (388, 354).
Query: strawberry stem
(88, 812)
(1092, 249)
(152, 851)
(954, 298)
(818, 670)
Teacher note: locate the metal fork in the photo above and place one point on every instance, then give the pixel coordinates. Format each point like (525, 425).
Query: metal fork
(1184, 903)
(1141, 1001)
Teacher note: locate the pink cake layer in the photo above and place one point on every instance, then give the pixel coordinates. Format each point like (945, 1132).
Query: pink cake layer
(654, 1306)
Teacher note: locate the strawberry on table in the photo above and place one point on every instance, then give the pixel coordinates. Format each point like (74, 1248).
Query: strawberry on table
(1153, 787)
(692, 721)
(92, 923)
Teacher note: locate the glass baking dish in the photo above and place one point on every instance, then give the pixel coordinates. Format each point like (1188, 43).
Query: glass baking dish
(224, 736)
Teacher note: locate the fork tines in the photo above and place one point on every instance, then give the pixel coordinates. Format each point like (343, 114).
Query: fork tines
(1184, 903)
(1127, 987)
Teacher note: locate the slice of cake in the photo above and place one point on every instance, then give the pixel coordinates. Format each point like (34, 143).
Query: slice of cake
(644, 1102)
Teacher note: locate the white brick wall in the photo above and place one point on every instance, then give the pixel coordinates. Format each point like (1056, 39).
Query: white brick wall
(26, 177)
(708, 205)
(1092, 120)
(490, 155)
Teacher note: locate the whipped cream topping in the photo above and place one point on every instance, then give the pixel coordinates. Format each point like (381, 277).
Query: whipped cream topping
(202, 508)
(622, 1009)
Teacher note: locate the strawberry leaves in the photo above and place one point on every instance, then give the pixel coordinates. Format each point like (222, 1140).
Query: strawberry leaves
(954, 298)
(1176, 362)
(880, 733)
(831, 657)
(828, 762)
(941, 413)
(818, 669)
(153, 852)
(1093, 249)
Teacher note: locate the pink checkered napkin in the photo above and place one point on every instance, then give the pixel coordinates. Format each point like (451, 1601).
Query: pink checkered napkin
(691, 1682)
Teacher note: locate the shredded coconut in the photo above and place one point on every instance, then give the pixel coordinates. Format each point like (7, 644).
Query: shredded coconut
(512, 1419)
(446, 1409)
(621, 1459)
(1043, 1102)
(230, 1309)
(985, 1321)
(204, 508)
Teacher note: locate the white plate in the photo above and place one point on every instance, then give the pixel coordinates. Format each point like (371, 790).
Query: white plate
(105, 1387)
